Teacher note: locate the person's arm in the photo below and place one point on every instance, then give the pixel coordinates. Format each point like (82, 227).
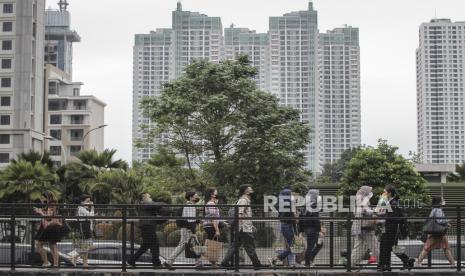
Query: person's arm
(83, 212)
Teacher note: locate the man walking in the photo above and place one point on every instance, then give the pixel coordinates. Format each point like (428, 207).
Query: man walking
(148, 208)
(246, 230)
(188, 228)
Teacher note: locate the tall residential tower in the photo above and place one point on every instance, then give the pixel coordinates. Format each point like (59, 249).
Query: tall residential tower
(339, 95)
(440, 92)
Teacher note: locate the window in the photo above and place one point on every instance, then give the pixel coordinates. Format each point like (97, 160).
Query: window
(56, 133)
(4, 120)
(7, 45)
(55, 119)
(77, 119)
(6, 82)
(55, 150)
(8, 8)
(4, 157)
(5, 101)
(7, 27)
(75, 91)
(4, 139)
(76, 134)
(6, 63)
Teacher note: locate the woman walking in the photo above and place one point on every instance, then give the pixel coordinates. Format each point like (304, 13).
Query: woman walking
(211, 226)
(437, 241)
(50, 229)
(363, 228)
(85, 212)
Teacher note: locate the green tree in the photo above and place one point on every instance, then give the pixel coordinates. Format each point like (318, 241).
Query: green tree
(214, 114)
(459, 175)
(23, 181)
(333, 172)
(34, 156)
(380, 166)
(118, 186)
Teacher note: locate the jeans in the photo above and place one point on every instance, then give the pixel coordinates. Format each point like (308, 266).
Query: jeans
(245, 239)
(287, 229)
(149, 241)
(312, 249)
(185, 236)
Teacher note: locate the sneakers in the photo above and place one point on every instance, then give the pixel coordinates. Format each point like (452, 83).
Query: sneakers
(272, 262)
(131, 263)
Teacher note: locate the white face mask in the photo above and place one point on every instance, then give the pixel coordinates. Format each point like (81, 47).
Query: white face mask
(370, 195)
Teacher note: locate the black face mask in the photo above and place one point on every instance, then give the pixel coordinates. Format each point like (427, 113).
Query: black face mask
(196, 200)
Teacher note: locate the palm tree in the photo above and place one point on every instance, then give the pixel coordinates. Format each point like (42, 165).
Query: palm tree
(25, 181)
(102, 160)
(34, 156)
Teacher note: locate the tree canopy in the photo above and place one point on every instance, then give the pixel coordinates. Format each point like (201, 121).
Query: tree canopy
(380, 166)
(216, 118)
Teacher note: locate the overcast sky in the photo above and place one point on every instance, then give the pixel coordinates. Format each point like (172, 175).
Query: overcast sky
(388, 39)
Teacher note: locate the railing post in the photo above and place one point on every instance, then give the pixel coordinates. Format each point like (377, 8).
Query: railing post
(131, 238)
(349, 243)
(331, 240)
(236, 238)
(459, 240)
(12, 242)
(123, 246)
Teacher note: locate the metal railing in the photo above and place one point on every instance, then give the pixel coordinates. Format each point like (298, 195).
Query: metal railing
(116, 237)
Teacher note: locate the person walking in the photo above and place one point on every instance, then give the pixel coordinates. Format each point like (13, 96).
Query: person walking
(288, 223)
(437, 241)
(212, 226)
(246, 237)
(50, 229)
(147, 209)
(310, 225)
(188, 229)
(85, 244)
(364, 226)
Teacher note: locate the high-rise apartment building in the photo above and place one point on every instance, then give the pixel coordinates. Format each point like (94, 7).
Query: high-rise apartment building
(152, 67)
(339, 121)
(293, 40)
(440, 92)
(286, 59)
(244, 41)
(59, 38)
(21, 77)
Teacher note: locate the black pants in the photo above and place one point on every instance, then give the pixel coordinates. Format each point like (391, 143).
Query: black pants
(149, 241)
(210, 232)
(387, 241)
(247, 240)
(312, 247)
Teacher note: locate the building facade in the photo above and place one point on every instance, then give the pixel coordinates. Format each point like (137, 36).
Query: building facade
(70, 117)
(286, 59)
(339, 93)
(440, 92)
(21, 76)
(293, 66)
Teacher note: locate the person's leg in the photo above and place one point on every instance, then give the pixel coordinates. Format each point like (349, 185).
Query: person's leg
(288, 234)
(312, 239)
(358, 250)
(384, 252)
(54, 251)
(155, 249)
(145, 234)
(449, 256)
(42, 253)
(247, 240)
(372, 243)
(185, 235)
(85, 257)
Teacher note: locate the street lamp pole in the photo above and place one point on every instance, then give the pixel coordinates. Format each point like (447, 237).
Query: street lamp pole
(87, 133)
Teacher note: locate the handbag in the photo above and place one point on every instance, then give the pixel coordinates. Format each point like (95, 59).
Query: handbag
(190, 248)
(213, 250)
(368, 222)
(434, 228)
(52, 223)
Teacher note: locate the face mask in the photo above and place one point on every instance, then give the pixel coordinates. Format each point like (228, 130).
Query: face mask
(196, 200)
(370, 195)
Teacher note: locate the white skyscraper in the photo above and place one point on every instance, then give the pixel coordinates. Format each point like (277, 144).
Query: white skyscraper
(286, 59)
(293, 65)
(440, 92)
(339, 95)
(21, 77)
